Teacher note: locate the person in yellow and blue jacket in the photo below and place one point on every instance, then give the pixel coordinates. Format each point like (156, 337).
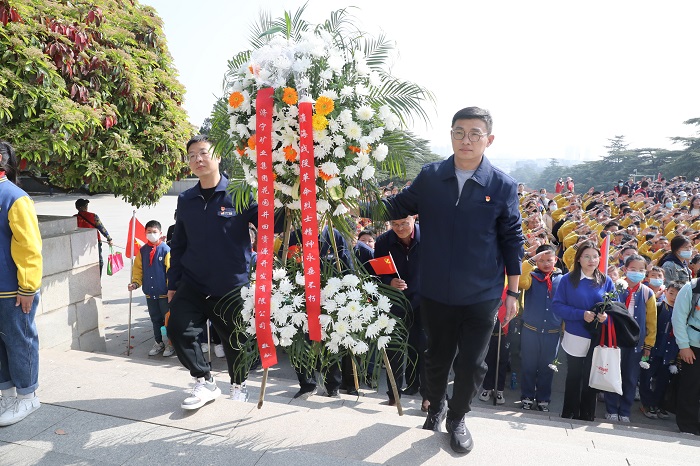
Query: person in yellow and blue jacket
(150, 270)
(20, 280)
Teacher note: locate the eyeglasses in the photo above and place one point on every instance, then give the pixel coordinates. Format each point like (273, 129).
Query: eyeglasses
(204, 154)
(474, 136)
(590, 258)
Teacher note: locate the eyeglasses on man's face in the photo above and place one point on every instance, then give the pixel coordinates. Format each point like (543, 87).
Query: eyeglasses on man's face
(473, 136)
(204, 154)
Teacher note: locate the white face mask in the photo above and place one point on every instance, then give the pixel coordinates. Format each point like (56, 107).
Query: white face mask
(153, 237)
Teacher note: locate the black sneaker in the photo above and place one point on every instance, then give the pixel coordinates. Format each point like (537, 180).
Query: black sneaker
(304, 394)
(460, 439)
(435, 417)
(333, 393)
(662, 413)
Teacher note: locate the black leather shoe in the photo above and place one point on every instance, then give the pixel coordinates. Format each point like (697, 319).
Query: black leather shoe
(333, 393)
(460, 439)
(435, 417)
(410, 391)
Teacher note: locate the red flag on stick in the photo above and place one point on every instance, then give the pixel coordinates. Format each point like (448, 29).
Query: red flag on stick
(604, 253)
(136, 233)
(383, 265)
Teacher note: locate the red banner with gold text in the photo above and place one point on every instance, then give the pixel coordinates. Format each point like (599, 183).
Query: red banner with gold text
(309, 221)
(266, 222)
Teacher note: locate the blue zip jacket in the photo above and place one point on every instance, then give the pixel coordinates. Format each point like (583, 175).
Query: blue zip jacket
(153, 276)
(468, 241)
(570, 303)
(407, 263)
(538, 312)
(665, 346)
(211, 245)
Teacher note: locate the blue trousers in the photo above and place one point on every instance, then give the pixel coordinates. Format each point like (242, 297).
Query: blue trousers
(157, 308)
(658, 371)
(19, 347)
(537, 351)
(629, 366)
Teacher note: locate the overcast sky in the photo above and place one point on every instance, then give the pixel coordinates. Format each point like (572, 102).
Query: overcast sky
(560, 77)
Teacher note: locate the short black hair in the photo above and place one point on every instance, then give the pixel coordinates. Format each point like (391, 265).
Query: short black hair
(546, 247)
(153, 224)
(366, 232)
(475, 113)
(198, 138)
(8, 162)
(676, 285)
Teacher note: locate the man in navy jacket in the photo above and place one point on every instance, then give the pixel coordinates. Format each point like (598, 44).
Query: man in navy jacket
(471, 234)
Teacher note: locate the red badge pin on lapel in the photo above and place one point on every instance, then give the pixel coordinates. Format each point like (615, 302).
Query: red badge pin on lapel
(488, 198)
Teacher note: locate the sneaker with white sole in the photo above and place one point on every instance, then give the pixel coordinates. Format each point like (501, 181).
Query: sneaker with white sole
(543, 406)
(157, 349)
(239, 392)
(6, 402)
(612, 417)
(169, 350)
(17, 409)
(527, 403)
(625, 419)
(205, 347)
(485, 395)
(203, 392)
(499, 397)
(219, 351)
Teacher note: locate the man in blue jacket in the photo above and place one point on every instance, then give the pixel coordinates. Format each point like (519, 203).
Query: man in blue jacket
(210, 256)
(471, 234)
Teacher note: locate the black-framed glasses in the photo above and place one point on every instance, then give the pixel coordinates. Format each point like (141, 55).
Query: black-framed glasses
(474, 136)
(203, 154)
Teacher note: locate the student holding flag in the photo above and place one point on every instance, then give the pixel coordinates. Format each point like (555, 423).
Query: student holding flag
(401, 245)
(470, 234)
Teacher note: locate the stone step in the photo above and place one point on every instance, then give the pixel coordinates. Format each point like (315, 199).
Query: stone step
(130, 408)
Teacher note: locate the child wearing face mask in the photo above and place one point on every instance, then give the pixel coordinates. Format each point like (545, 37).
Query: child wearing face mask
(655, 281)
(150, 268)
(640, 302)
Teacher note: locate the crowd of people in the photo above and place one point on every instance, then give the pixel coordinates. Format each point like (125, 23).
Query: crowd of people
(472, 249)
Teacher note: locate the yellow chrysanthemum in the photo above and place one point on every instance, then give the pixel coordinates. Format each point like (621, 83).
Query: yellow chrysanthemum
(319, 122)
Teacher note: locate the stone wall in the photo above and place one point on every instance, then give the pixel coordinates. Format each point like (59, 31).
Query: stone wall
(70, 314)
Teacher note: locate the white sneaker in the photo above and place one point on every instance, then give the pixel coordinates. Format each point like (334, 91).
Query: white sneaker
(157, 349)
(612, 417)
(169, 350)
(18, 409)
(485, 395)
(202, 393)
(6, 402)
(239, 392)
(219, 351)
(625, 419)
(205, 347)
(499, 397)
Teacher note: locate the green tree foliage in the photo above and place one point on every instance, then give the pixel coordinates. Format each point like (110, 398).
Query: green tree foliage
(89, 95)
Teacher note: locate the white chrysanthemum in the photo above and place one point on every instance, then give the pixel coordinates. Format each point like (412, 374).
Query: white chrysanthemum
(294, 205)
(330, 93)
(333, 125)
(361, 90)
(375, 79)
(351, 171)
(346, 91)
(322, 205)
(245, 291)
(360, 347)
(368, 172)
(341, 327)
(354, 294)
(352, 192)
(352, 130)
(326, 74)
(285, 189)
(285, 342)
(333, 348)
(232, 121)
(353, 308)
(278, 204)
(340, 298)
(242, 130)
(250, 330)
(298, 319)
(339, 151)
(362, 160)
(365, 113)
(340, 210)
(336, 61)
(384, 112)
(392, 122)
(299, 279)
(246, 314)
(382, 321)
(330, 168)
(298, 301)
(356, 325)
(368, 313)
(380, 152)
(372, 330)
(330, 306)
(333, 182)
(285, 286)
(345, 116)
(279, 273)
(383, 303)
(348, 342)
(370, 288)
(288, 332)
(390, 326)
(325, 321)
(376, 133)
(383, 342)
(351, 281)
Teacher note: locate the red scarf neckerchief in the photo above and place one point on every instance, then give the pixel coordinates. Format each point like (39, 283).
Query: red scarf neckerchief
(153, 246)
(2, 173)
(547, 279)
(631, 291)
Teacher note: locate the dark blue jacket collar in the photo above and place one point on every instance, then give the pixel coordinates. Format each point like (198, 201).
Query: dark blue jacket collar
(197, 189)
(482, 175)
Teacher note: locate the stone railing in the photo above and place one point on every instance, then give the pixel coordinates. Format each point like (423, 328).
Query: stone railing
(70, 313)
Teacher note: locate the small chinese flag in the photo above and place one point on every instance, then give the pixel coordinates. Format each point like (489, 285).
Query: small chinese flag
(132, 242)
(604, 253)
(383, 265)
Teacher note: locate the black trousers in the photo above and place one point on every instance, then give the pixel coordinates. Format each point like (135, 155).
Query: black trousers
(466, 329)
(413, 368)
(189, 311)
(579, 398)
(688, 396)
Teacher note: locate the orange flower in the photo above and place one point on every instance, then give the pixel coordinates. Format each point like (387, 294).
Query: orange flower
(354, 149)
(290, 154)
(251, 142)
(241, 152)
(235, 99)
(290, 96)
(325, 177)
(319, 122)
(324, 105)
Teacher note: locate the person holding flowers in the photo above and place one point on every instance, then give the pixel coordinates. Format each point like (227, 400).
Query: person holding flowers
(471, 236)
